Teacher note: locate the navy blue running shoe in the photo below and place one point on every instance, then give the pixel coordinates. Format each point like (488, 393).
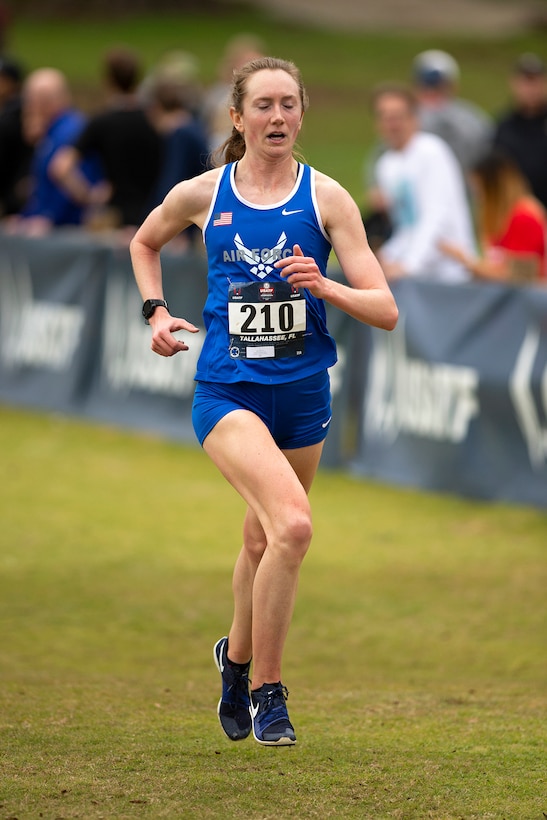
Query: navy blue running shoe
(271, 724)
(233, 706)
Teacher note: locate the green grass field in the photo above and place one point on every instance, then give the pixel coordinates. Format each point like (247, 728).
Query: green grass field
(415, 663)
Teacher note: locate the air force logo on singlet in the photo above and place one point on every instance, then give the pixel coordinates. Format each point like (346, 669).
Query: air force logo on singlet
(260, 260)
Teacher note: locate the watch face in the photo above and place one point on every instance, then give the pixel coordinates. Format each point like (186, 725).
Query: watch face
(150, 306)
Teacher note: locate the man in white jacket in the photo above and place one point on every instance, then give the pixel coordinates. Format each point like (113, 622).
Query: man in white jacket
(420, 185)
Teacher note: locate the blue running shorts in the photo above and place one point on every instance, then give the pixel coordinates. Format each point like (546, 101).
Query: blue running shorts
(297, 414)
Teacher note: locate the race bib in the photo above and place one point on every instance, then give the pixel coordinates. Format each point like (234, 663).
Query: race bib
(266, 320)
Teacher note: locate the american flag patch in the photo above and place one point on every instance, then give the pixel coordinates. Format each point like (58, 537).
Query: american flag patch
(224, 218)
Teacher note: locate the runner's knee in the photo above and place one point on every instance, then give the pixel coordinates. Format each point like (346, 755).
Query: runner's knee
(293, 535)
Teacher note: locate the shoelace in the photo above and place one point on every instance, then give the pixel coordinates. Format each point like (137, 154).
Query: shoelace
(274, 702)
(239, 688)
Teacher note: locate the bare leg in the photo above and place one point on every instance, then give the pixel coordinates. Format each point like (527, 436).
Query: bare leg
(277, 534)
(240, 639)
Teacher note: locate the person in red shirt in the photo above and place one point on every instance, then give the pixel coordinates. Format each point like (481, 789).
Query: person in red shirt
(512, 224)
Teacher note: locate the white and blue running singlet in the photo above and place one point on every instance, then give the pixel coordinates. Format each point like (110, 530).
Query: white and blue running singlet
(259, 328)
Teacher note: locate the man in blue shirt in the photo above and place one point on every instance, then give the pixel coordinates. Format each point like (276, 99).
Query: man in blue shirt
(50, 122)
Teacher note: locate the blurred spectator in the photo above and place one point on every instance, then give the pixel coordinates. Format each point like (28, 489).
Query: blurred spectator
(216, 110)
(185, 151)
(420, 184)
(463, 125)
(512, 224)
(15, 151)
(182, 69)
(522, 131)
(49, 123)
(124, 141)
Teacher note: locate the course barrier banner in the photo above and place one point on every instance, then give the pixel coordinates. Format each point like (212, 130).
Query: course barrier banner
(456, 396)
(455, 399)
(51, 307)
(72, 337)
(132, 386)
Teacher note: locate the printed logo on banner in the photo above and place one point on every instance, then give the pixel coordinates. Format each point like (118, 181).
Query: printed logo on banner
(435, 401)
(36, 333)
(531, 411)
(127, 361)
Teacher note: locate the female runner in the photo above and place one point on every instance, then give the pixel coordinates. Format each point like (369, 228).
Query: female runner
(262, 401)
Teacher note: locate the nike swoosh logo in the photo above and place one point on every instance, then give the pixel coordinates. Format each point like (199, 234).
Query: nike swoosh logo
(253, 710)
(326, 424)
(219, 660)
(284, 212)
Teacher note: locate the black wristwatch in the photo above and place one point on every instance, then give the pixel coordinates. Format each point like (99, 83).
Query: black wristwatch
(150, 306)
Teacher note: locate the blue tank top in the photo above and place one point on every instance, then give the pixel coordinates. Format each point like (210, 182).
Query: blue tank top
(259, 328)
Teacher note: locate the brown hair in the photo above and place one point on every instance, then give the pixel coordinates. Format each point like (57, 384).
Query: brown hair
(234, 147)
(501, 186)
(400, 90)
(122, 69)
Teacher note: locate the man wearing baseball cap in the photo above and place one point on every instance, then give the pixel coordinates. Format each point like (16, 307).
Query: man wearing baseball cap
(522, 131)
(461, 123)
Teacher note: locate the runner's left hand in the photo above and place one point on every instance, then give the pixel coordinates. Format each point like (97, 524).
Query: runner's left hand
(302, 272)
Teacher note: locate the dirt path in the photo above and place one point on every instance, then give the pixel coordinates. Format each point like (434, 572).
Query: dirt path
(482, 16)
